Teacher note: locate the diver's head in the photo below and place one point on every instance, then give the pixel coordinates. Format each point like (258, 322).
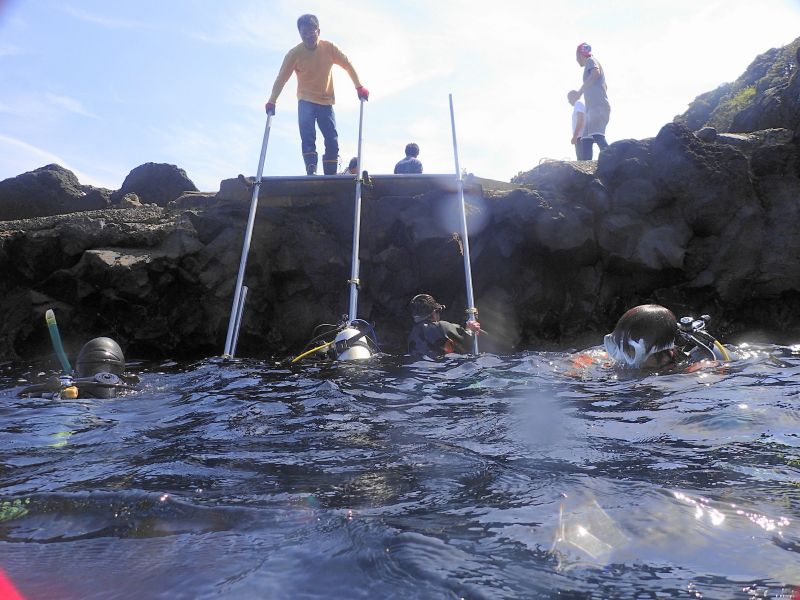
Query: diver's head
(644, 337)
(100, 355)
(423, 306)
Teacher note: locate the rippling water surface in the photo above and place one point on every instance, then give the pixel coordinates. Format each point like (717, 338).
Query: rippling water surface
(489, 477)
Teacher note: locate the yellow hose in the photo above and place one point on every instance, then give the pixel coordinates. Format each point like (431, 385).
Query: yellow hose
(304, 354)
(721, 348)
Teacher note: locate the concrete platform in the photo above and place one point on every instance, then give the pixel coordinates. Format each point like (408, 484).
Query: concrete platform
(303, 190)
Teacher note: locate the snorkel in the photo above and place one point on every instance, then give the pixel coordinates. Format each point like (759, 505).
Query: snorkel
(55, 336)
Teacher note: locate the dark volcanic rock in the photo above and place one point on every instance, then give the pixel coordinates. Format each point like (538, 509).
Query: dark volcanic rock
(707, 134)
(50, 190)
(712, 179)
(765, 96)
(777, 107)
(155, 183)
(704, 227)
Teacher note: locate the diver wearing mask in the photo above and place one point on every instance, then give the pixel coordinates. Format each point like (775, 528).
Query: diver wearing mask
(650, 337)
(99, 373)
(433, 337)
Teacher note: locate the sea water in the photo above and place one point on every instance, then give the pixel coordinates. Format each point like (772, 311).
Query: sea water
(529, 476)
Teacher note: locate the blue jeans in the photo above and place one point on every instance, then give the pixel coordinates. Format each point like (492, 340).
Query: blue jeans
(309, 114)
(587, 142)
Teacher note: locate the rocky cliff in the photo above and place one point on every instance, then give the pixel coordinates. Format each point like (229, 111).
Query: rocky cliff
(765, 96)
(699, 226)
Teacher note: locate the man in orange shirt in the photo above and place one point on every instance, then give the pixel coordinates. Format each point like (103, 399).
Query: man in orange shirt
(313, 61)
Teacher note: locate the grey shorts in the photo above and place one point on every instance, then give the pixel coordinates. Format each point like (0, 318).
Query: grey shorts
(596, 121)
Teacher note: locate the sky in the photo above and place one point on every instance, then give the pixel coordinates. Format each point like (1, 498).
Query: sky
(102, 87)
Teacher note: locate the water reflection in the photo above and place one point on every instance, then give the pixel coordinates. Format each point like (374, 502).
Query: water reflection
(494, 477)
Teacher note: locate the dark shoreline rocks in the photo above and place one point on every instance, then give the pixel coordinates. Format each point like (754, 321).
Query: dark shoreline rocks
(557, 257)
(49, 190)
(54, 190)
(765, 96)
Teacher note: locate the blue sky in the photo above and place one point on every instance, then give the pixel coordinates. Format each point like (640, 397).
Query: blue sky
(101, 87)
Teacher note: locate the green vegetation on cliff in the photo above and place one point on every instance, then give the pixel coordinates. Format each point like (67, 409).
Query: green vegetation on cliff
(718, 107)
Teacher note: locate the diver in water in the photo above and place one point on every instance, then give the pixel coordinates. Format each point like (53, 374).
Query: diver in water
(650, 337)
(99, 373)
(431, 336)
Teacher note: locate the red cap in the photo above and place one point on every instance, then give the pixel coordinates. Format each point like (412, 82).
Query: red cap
(585, 49)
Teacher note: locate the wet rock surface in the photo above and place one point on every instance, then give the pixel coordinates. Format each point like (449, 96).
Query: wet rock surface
(699, 226)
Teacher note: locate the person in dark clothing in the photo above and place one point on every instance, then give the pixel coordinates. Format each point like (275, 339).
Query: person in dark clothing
(644, 337)
(431, 336)
(410, 164)
(650, 337)
(99, 373)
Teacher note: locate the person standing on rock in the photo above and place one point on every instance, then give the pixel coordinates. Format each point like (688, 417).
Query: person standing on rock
(578, 122)
(598, 110)
(313, 62)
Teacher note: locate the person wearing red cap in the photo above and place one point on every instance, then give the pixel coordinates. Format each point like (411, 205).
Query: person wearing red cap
(598, 110)
(313, 62)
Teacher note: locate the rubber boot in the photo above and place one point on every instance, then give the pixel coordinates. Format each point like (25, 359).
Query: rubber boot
(310, 158)
(329, 165)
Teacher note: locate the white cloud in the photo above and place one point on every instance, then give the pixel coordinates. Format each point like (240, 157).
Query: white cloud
(258, 26)
(4, 108)
(16, 147)
(20, 157)
(111, 22)
(69, 104)
(9, 50)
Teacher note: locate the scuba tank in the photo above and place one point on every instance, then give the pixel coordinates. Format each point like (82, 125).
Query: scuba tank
(349, 344)
(698, 343)
(352, 340)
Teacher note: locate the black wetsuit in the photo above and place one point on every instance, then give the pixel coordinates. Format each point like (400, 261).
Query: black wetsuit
(435, 339)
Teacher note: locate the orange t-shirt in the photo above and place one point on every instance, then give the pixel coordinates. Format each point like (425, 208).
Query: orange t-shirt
(313, 68)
